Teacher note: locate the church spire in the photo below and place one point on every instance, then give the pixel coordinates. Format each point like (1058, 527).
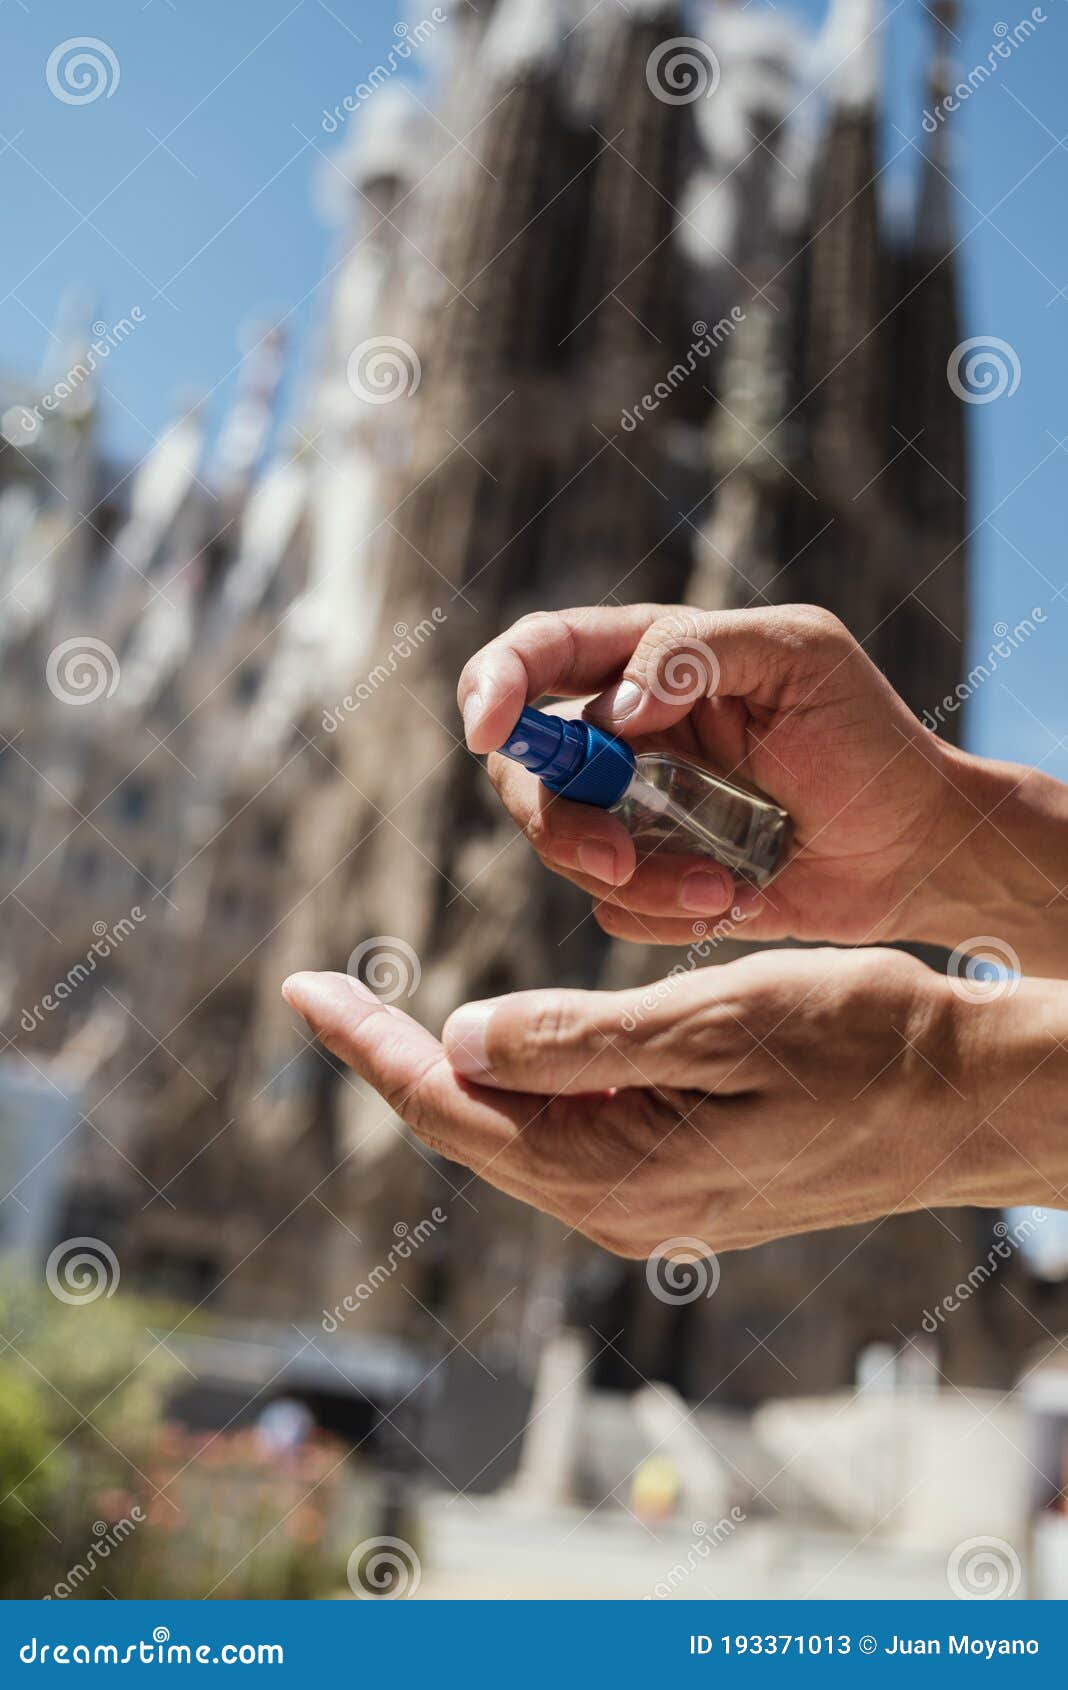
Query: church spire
(246, 431)
(934, 223)
(849, 56)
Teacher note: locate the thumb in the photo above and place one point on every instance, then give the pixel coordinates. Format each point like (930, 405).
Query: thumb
(554, 1042)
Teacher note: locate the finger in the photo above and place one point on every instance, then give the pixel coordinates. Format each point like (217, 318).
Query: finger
(752, 917)
(657, 892)
(404, 1063)
(567, 652)
(622, 923)
(578, 840)
(594, 850)
(770, 658)
(674, 1033)
(522, 1144)
(671, 885)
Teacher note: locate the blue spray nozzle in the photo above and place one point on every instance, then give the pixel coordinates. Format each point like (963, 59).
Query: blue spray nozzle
(571, 758)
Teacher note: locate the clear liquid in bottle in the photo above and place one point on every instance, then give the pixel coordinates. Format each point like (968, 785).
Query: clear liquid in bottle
(672, 805)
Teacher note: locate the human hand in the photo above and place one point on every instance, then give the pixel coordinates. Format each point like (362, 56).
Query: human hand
(784, 699)
(777, 1094)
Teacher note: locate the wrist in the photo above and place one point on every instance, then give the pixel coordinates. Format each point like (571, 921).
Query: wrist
(996, 863)
(1001, 1048)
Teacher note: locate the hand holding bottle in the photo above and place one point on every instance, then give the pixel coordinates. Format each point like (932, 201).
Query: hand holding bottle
(784, 700)
(897, 835)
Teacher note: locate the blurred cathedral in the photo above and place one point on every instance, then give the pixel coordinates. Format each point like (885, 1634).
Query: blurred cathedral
(227, 689)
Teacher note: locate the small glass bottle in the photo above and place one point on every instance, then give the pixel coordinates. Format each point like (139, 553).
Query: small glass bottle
(665, 802)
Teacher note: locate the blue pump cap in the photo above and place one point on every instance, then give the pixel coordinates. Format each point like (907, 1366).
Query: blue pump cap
(571, 758)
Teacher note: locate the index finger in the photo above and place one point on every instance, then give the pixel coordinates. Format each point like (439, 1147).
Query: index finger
(566, 652)
(408, 1067)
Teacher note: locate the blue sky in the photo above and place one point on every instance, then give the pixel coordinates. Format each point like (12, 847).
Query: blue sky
(192, 192)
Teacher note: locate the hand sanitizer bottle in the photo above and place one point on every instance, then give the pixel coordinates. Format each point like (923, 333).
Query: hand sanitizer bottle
(665, 802)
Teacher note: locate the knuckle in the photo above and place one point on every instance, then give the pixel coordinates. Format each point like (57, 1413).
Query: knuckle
(539, 831)
(613, 918)
(885, 970)
(617, 917)
(518, 791)
(678, 625)
(751, 994)
(499, 770)
(550, 1026)
(414, 1100)
(730, 1030)
(813, 618)
(809, 625)
(536, 622)
(545, 627)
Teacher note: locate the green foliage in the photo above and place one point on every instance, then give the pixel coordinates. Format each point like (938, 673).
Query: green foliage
(102, 1371)
(100, 1496)
(25, 1487)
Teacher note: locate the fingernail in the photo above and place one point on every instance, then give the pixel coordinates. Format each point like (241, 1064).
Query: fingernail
(599, 860)
(705, 892)
(472, 712)
(465, 1038)
(622, 701)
